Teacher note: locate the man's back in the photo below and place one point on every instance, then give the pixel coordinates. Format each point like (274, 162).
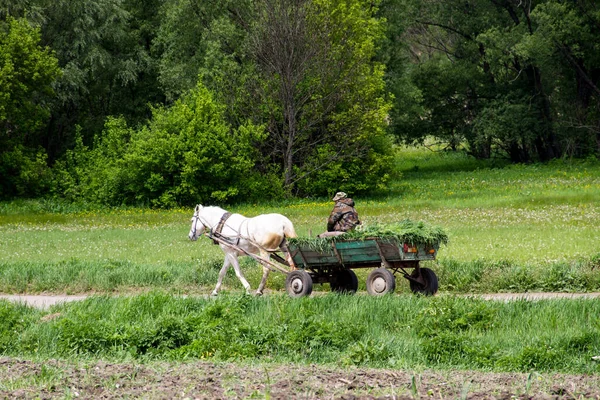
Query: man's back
(343, 217)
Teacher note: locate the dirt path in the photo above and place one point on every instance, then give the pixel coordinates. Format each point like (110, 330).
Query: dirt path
(42, 301)
(535, 296)
(45, 301)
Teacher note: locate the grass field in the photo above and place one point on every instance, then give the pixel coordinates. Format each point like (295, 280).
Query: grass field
(408, 332)
(511, 228)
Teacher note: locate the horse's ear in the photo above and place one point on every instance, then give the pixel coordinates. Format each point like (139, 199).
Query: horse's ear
(198, 207)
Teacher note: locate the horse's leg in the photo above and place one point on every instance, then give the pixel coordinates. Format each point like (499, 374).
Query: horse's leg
(238, 273)
(265, 275)
(222, 273)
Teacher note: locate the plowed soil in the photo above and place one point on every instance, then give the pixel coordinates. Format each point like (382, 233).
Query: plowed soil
(24, 379)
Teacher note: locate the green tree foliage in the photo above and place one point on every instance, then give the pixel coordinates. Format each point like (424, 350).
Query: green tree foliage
(323, 79)
(27, 71)
(186, 41)
(515, 78)
(302, 69)
(187, 153)
(31, 10)
(103, 47)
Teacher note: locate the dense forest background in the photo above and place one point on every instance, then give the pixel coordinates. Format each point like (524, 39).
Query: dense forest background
(172, 102)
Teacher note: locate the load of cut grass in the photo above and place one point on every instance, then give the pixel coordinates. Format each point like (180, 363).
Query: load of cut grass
(407, 231)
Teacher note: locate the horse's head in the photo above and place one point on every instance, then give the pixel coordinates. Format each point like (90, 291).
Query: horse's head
(198, 226)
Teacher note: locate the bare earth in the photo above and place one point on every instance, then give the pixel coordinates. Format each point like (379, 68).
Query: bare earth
(22, 379)
(45, 301)
(26, 379)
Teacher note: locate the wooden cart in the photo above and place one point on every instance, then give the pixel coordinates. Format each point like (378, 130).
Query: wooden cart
(335, 265)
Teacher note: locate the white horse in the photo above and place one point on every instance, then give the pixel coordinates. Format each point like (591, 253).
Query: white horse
(258, 235)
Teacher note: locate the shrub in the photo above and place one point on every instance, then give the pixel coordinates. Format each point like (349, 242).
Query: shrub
(538, 356)
(367, 172)
(186, 154)
(13, 320)
(24, 172)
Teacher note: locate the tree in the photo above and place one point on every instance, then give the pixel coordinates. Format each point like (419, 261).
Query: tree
(185, 38)
(103, 48)
(308, 74)
(27, 71)
(316, 61)
(30, 10)
(565, 46)
(508, 77)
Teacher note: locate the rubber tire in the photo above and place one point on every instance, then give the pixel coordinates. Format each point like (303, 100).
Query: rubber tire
(431, 283)
(345, 282)
(298, 283)
(381, 281)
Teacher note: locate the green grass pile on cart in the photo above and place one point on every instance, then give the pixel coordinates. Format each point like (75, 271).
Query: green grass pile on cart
(406, 231)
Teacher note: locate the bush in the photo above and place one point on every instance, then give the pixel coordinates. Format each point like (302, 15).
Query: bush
(368, 172)
(25, 172)
(185, 155)
(13, 321)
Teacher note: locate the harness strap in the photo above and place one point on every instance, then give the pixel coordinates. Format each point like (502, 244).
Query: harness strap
(220, 225)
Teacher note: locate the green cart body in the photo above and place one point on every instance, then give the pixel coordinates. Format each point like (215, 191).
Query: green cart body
(334, 264)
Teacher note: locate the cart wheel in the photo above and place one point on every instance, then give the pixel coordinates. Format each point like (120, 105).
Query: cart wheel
(298, 283)
(344, 281)
(381, 281)
(431, 283)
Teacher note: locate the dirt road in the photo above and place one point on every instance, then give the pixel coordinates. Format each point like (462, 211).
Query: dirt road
(41, 301)
(45, 301)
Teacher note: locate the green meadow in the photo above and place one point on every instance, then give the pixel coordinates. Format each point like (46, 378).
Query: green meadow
(512, 228)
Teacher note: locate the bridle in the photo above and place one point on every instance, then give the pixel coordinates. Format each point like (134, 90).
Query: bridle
(218, 229)
(197, 219)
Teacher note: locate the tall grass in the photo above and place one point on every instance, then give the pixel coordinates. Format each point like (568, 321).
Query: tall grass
(391, 331)
(511, 228)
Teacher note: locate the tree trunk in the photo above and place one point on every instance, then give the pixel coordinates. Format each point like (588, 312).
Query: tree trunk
(288, 159)
(546, 143)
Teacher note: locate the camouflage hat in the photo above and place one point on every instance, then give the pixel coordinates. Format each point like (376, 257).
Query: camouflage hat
(339, 196)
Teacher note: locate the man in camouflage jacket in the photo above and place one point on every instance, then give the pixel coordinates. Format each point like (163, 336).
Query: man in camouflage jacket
(344, 217)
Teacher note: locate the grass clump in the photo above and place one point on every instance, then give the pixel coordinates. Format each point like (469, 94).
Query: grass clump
(490, 276)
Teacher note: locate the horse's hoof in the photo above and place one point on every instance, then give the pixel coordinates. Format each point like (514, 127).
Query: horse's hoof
(214, 294)
(257, 294)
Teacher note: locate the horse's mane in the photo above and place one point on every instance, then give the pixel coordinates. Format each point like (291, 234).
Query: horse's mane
(213, 208)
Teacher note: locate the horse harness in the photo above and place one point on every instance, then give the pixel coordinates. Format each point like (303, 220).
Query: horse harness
(220, 226)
